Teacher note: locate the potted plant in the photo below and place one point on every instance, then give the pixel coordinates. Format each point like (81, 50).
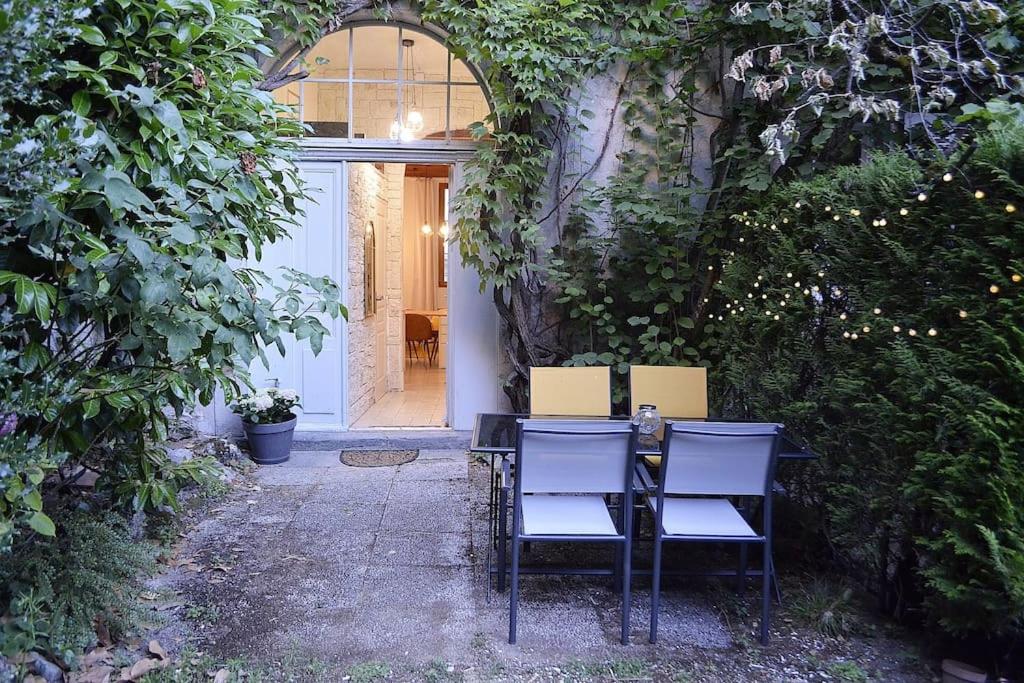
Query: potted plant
(269, 423)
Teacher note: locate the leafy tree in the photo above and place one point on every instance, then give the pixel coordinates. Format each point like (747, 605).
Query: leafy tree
(162, 168)
(877, 311)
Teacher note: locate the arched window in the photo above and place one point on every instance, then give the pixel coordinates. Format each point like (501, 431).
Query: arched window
(386, 81)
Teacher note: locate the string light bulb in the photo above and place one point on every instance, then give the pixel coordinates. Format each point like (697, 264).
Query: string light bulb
(912, 332)
(846, 335)
(854, 212)
(904, 211)
(1010, 208)
(877, 311)
(426, 229)
(963, 314)
(882, 222)
(853, 336)
(979, 194)
(842, 316)
(932, 331)
(922, 197)
(835, 217)
(896, 329)
(1016, 277)
(993, 289)
(866, 329)
(946, 177)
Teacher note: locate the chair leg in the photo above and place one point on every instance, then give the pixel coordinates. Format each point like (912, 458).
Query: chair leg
(766, 593)
(502, 540)
(741, 570)
(627, 568)
(513, 613)
(655, 587)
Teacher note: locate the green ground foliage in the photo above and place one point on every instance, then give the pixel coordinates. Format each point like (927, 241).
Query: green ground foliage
(63, 588)
(878, 312)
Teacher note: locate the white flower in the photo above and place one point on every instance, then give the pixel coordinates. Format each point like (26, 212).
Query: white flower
(26, 146)
(289, 395)
(741, 9)
(262, 401)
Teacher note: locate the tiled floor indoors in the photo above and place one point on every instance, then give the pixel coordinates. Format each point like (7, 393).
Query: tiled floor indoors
(422, 404)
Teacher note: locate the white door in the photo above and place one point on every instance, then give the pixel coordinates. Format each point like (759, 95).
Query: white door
(472, 384)
(315, 247)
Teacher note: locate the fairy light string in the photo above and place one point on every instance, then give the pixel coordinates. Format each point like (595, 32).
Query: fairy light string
(800, 293)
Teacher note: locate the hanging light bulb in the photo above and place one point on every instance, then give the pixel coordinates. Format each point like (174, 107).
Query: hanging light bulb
(443, 230)
(426, 229)
(414, 122)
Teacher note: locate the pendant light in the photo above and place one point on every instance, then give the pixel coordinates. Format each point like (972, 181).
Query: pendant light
(427, 229)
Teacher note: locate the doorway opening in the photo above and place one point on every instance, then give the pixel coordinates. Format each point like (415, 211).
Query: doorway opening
(397, 216)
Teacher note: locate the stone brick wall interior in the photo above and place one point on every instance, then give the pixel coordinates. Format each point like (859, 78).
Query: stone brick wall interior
(374, 194)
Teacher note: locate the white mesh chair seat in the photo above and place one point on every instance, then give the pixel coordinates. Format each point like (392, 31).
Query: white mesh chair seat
(703, 517)
(566, 516)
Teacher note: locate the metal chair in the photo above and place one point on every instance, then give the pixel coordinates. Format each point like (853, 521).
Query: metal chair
(571, 391)
(564, 470)
(584, 392)
(703, 464)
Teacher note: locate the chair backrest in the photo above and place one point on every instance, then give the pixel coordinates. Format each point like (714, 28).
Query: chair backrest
(575, 456)
(719, 458)
(417, 327)
(571, 391)
(677, 391)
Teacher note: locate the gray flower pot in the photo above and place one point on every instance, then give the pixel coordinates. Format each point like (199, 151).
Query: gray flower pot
(270, 444)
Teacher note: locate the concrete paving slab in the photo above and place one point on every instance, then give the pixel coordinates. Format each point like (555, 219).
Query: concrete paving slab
(436, 491)
(447, 516)
(330, 519)
(433, 469)
(347, 492)
(387, 564)
(422, 550)
(313, 459)
(286, 475)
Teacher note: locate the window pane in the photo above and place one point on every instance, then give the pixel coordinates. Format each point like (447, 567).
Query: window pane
(468, 106)
(424, 110)
(376, 52)
(329, 58)
(374, 109)
(461, 72)
(426, 60)
(325, 108)
(289, 95)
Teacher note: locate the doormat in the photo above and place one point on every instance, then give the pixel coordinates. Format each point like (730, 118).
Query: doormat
(378, 458)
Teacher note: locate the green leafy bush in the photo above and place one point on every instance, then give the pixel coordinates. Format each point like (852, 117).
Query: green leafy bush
(58, 590)
(123, 292)
(878, 311)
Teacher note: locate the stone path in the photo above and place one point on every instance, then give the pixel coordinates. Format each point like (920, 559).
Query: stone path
(387, 564)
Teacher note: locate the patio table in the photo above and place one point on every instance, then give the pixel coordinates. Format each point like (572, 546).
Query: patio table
(494, 435)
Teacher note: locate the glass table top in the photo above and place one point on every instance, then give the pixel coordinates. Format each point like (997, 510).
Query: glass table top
(496, 433)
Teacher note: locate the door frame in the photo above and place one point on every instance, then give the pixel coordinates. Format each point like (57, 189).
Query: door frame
(453, 154)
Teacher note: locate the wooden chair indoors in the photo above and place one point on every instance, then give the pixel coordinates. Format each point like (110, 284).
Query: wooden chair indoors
(420, 334)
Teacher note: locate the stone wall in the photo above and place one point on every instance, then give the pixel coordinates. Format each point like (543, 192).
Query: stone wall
(367, 202)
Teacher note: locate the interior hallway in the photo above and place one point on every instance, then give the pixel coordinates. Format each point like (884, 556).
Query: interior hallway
(422, 404)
